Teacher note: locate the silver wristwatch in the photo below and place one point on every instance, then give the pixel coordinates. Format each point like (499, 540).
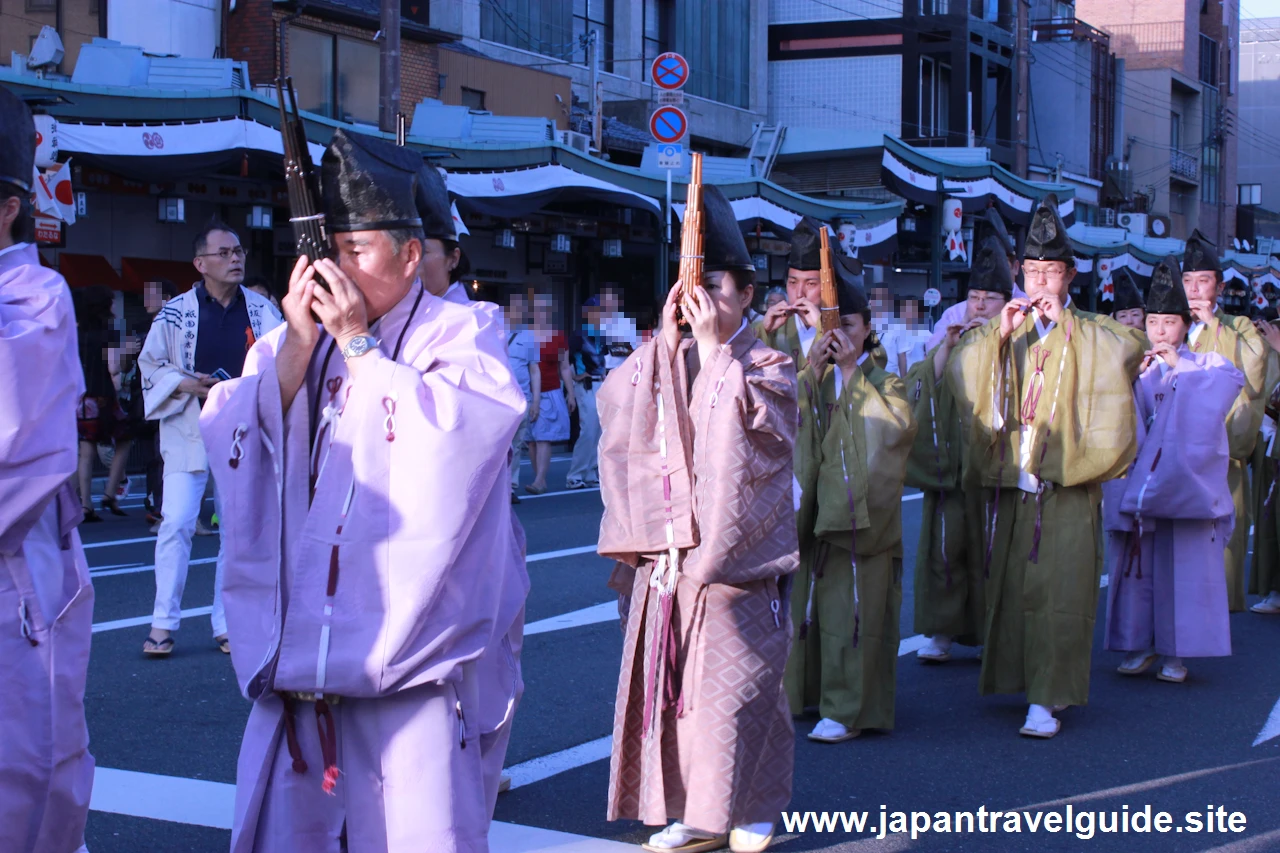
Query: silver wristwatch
(358, 346)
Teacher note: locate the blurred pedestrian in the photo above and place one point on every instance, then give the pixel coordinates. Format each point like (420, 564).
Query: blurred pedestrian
(178, 369)
(100, 420)
(259, 285)
(587, 352)
(522, 353)
(905, 341)
(155, 294)
(549, 411)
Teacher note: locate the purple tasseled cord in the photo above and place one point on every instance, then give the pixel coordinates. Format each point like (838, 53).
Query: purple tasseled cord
(853, 547)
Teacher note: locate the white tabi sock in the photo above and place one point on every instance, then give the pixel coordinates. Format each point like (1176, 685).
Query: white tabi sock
(678, 835)
(1039, 714)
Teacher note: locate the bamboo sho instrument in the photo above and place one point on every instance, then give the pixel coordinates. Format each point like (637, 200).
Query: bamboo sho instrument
(305, 213)
(830, 302)
(691, 233)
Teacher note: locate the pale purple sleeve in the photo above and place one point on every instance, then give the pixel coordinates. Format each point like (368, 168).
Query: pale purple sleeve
(37, 406)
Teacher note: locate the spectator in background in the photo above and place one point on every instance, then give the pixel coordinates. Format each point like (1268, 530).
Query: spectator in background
(619, 332)
(154, 296)
(588, 355)
(549, 411)
(881, 309)
(774, 296)
(905, 341)
(522, 352)
(99, 418)
(259, 285)
(178, 369)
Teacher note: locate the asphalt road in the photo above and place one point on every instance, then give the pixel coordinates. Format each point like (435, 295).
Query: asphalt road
(1139, 742)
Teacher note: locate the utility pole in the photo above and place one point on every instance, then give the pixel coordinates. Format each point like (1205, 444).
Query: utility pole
(389, 62)
(1022, 77)
(593, 60)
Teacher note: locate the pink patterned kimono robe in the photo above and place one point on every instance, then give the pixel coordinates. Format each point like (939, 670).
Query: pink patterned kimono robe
(384, 588)
(696, 465)
(46, 599)
(1170, 520)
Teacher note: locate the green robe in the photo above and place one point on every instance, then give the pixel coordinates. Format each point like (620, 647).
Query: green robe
(1237, 340)
(949, 595)
(1078, 421)
(863, 430)
(1265, 577)
(787, 341)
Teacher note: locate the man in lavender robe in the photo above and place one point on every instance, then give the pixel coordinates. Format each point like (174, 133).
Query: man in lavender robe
(1168, 589)
(46, 599)
(373, 566)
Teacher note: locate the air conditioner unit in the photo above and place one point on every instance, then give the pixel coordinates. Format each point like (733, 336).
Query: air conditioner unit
(1108, 217)
(1134, 223)
(579, 142)
(1158, 225)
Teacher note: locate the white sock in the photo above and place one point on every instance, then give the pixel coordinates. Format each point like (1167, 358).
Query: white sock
(1039, 714)
(759, 830)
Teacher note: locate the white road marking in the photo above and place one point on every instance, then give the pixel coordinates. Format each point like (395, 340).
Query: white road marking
(593, 615)
(199, 802)
(145, 620)
(111, 571)
(567, 552)
(537, 769)
(525, 496)
(1271, 728)
(127, 569)
(115, 542)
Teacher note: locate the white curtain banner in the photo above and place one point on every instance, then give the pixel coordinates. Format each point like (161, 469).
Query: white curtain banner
(169, 140)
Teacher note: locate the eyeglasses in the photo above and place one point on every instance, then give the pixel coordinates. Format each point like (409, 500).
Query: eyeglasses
(226, 254)
(1048, 274)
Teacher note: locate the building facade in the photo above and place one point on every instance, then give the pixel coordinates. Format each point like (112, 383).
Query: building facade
(1259, 172)
(1074, 80)
(1178, 105)
(935, 73)
(724, 43)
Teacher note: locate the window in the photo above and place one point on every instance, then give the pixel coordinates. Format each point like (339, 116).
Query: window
(714, 38)
(42, 5)
(935, 98)
(1208, 60)
(472, 99)
(341, 79)
(1175, 131)
(1211, 151)
(657, 30)
(596, 16)
(1249, 194)
(542, 26)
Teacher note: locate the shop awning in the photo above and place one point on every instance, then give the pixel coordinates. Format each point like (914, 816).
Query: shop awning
(918, 176)
(136, 271)
(851, 237)
(172, 150)
(87, 270)
(173, 139)
(509, 194)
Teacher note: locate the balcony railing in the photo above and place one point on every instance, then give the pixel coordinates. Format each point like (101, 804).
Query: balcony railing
(1184, 165)
(1067, 29)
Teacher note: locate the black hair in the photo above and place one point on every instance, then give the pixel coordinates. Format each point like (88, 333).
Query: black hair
(24, 226)
(94, 306)
(201, 241)
(259, 281)
(742, 278)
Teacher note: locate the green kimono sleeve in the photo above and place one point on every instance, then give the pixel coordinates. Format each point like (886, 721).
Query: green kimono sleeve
(864, 460)
(933, 463)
